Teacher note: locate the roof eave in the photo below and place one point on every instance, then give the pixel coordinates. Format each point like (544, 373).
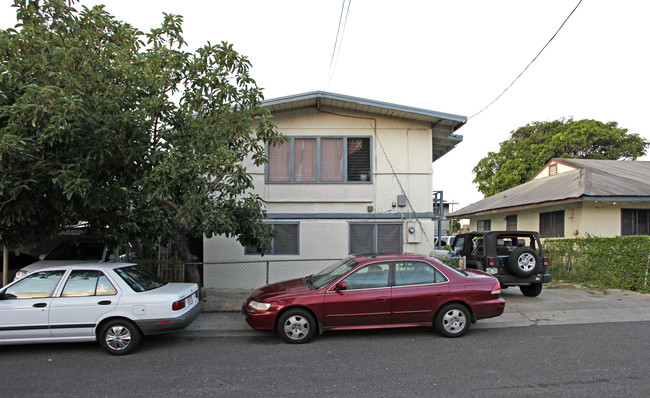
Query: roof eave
(443, 125)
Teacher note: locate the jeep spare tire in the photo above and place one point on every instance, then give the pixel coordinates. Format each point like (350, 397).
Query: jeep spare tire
(524, 261)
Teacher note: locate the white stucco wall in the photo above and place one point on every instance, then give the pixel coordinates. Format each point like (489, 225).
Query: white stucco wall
(599, 218)
(401, 160)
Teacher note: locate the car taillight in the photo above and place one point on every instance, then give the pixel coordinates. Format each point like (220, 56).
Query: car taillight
(180, 304)
(491, 261)
(496, 289)
(545, 261)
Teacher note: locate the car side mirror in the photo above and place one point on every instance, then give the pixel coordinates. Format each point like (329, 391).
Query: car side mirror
(41, 257)
(6, 296)
(340, 287)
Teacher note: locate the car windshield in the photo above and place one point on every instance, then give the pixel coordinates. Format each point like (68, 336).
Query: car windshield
(333, 272)
(139, 279)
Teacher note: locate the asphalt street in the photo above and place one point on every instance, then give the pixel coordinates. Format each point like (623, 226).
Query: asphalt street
(582, 360)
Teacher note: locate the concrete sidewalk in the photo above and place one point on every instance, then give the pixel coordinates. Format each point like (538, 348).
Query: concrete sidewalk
(570, 304)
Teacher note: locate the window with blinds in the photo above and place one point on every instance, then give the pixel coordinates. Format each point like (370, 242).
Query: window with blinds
(551, 225)
(635, 222)
(320, 160)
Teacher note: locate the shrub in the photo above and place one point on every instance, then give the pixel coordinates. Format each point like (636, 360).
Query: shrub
(620, 262)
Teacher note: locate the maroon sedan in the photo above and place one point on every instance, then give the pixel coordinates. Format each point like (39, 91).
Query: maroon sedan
(369, 292)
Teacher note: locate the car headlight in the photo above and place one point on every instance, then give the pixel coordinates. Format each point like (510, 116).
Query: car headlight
(259, 306)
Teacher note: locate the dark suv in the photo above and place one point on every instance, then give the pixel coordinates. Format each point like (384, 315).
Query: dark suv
(515, 258)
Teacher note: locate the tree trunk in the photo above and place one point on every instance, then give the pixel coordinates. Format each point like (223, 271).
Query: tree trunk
(181, 242)
(181, 234)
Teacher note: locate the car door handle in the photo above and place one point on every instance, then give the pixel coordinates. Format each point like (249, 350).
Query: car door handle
(40, 305)
(382, 298)
(104, 302)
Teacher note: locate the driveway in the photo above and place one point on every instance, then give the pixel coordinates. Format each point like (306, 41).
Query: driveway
(570, 304)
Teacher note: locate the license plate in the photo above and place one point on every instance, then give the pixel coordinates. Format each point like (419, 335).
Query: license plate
(492, 271)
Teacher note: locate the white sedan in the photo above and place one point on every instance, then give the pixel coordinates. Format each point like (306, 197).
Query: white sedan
(114, 303)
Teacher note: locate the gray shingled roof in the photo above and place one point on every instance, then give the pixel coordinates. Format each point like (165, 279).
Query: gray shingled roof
(593, 180)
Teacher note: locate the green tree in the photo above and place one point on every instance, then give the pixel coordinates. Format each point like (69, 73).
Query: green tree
(126, 131)
(454, 226)
(530, 147)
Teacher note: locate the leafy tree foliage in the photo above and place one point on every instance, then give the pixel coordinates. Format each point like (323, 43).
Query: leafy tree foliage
(530, 147)
(454, 226)
(126, 131)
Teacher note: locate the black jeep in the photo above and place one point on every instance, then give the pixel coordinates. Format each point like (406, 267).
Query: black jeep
(515, 258)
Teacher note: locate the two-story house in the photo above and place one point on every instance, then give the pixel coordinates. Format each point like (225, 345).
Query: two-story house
(354, 177)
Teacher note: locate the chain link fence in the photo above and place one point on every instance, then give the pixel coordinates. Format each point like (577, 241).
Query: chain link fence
(249, 275)
(238, 274)
(253, 274)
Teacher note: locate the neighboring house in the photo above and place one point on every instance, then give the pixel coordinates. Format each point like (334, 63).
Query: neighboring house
(355, 177)
(571, 197)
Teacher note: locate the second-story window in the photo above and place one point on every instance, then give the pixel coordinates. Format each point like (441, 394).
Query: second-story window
(320, 159)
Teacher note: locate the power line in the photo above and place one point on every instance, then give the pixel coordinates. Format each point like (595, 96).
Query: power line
(338, 42)
(531, 62)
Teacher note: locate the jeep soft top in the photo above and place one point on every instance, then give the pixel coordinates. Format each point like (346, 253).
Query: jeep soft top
(515, 258)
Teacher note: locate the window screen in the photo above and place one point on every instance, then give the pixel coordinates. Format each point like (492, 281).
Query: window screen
(286, 240)
(551, 225)
(635, 222)
(375, 238)
(484, 225)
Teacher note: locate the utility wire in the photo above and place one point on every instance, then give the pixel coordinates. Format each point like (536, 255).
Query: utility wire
(338, 42)
(531, 62)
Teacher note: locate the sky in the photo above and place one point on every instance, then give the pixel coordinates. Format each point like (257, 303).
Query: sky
(447, 56)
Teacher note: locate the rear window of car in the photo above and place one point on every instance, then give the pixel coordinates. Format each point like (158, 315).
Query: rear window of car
(452, 269)
(75, 250)
(139, 279)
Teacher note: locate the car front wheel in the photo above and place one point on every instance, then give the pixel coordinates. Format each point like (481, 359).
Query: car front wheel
(119, 337)
(297, 326)
(452, 320)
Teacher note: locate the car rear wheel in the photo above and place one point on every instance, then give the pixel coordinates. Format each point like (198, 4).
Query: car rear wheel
(119, 337)
(452, 320)
(531, 290)
(524, 261)
(297, 326)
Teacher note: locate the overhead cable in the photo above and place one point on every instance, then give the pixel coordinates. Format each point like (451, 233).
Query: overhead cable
(531, 62)
(338, 41)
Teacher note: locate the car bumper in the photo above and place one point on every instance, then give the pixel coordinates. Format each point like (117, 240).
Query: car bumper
(259, 320)
(166, 325)
(512, 280)
(488, 309)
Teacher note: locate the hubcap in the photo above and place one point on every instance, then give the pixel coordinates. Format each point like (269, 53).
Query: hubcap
(454, 321)
(118, 337)
(296, 327)
(526, 262)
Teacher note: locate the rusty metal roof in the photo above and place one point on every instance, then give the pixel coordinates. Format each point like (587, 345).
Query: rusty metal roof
(591, 180)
